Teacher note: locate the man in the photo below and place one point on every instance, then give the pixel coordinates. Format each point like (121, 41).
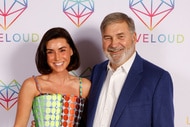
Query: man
(127, 91)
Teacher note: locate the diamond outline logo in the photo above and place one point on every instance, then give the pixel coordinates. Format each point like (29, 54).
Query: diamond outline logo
(78, 11)
(9, 94)
(10, 11)
(152, 13)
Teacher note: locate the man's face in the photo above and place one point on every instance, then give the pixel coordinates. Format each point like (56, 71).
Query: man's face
(118, 43)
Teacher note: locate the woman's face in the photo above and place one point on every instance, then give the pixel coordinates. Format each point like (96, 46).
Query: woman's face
(58, 54)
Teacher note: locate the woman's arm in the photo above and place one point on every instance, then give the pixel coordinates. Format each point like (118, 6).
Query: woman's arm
(24, 106)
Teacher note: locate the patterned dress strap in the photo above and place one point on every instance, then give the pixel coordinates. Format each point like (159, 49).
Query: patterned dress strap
(80, 86)
(37, 85)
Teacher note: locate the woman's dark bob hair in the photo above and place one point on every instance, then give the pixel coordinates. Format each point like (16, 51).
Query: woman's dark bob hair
(41, 56)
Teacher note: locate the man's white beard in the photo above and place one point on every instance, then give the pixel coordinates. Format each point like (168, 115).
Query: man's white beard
(121, 58)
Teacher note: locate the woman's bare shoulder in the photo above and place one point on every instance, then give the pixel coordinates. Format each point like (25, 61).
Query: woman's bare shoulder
(29, 84)
(86, 84)
(28, 81)
(86, 81)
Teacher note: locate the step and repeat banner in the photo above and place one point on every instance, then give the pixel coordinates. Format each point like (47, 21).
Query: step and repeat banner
(163, 38)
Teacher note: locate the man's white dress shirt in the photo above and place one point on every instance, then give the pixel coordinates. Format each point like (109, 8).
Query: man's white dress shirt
(110, 93)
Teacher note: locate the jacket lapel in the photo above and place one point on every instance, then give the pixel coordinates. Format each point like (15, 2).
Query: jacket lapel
(129, 86)
(98, 78)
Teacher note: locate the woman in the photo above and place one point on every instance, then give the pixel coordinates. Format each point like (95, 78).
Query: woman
(56, 97)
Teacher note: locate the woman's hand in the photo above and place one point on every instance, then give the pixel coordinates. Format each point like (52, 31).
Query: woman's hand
(33, 123)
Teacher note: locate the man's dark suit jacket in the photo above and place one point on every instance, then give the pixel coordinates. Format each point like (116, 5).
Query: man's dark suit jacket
(146, 98)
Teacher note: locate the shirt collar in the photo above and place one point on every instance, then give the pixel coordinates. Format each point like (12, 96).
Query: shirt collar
(126, 66)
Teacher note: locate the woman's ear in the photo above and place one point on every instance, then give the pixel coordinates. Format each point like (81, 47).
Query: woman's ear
(71, 52)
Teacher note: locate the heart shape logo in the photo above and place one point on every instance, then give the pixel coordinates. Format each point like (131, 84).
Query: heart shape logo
(153, 12)
(10, 10)
(78, 11)
(9, 94)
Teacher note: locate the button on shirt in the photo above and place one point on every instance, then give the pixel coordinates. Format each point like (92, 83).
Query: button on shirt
(110, 93)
